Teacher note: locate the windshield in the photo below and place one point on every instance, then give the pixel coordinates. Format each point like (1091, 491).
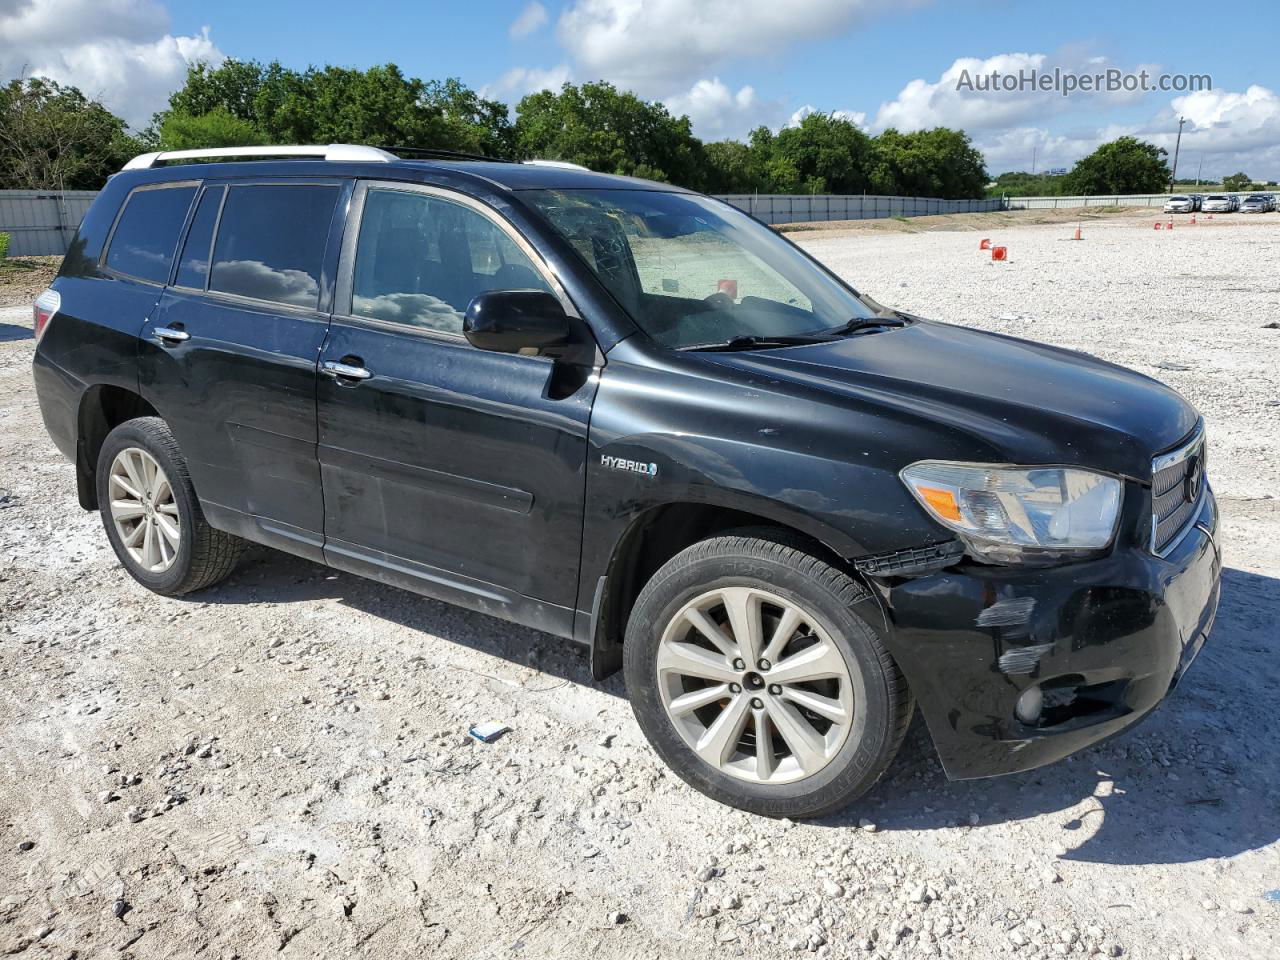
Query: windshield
(692, 271)
(1178, 199)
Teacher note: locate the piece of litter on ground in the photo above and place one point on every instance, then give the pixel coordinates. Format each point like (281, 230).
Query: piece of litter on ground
(488, 731)
(1272, 896)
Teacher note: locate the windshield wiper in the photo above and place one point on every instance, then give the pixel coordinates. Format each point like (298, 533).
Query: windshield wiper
(867, 323)
(745, 342)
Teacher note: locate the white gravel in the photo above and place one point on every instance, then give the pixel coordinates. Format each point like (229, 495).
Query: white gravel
(282, 763)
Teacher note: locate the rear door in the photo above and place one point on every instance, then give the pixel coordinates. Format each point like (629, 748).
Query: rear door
(229, 356)
(447, 469)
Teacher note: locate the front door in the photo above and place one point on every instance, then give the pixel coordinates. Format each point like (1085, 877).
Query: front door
(451, 470)
(229, 356)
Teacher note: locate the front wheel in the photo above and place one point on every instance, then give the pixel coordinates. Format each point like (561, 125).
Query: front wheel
(151, 513)
(752, 675)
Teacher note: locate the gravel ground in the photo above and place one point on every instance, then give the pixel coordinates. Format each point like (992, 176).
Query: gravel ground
(280, 764)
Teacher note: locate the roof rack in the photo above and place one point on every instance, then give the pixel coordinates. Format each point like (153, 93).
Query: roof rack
(334, 153)
(560, 164)
(432, 153)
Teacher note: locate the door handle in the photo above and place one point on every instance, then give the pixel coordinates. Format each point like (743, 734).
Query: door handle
(170, 334)
(344, 371)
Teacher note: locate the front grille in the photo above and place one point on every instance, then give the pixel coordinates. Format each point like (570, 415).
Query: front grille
(1177, 487)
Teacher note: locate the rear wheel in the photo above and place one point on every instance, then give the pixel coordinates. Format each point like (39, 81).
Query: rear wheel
(754, 678)
(151, 513)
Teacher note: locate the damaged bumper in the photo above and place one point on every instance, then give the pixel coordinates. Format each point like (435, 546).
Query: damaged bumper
(1014, 669)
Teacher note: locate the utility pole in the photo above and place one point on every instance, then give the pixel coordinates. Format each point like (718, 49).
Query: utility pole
(1199, 169)
(1176, 147)
(1034, 149)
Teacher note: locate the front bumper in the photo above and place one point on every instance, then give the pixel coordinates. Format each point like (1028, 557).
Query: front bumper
(1102, 641)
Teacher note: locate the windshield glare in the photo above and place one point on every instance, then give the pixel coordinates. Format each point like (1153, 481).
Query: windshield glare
(692, 271)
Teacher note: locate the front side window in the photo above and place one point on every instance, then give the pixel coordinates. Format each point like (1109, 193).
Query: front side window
(420, 259)
(271, 242)
(691, 271)
(143, 243)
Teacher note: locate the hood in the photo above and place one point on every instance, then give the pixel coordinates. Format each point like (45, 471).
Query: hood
(1003, 399)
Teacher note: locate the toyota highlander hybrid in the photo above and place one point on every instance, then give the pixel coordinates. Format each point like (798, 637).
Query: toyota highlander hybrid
(634, 417)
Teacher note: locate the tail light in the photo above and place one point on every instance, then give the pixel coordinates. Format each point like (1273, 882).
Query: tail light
(44, 308)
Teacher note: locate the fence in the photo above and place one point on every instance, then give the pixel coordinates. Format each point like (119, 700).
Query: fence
(42, 222)
(774, 208)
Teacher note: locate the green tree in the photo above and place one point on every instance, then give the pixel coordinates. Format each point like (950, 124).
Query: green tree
(731, 168)
(1022, 184)
(270, 103)
(55, 138)
(927, 163)
(1236, 182)
(824, 153)
(217, 128)
(1126, 165)
(610, 131)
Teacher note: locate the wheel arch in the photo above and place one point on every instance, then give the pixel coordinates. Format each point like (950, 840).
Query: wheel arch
(657, 534)
(103, 407)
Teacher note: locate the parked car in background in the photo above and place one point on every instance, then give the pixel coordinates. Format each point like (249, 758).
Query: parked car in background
(1218, 203)
(1179, 204)
(1255, 203)
(630, 415)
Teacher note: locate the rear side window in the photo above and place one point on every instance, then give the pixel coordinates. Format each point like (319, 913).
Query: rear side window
(271, 242)
(193, 268)
(146, 234)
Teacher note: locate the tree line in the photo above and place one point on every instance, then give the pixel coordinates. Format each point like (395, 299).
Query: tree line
(54, 137)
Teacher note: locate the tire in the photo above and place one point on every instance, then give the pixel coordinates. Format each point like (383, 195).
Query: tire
(762, 576)
(203, 556)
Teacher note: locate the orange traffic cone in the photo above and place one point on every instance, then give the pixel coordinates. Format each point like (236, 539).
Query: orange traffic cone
(999, 253)
(1077, 236)
(1170, 226)
(1193, 219)
(984, 244)
(1159, 225)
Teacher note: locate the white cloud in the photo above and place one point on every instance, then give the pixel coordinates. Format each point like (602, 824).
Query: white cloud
(1226, 131)
(717, 112)
(532, 18)
(1022, 148)
(658, 47)
(856, 117)
(955, 100)
(116, 51)
(518, 81)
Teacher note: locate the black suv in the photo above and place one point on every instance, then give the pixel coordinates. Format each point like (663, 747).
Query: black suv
(632, 416)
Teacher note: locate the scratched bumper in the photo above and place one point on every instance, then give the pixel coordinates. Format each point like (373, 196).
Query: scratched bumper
(1105, 641)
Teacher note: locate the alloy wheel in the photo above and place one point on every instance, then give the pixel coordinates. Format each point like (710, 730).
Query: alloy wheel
(755, 686)
(144, 510)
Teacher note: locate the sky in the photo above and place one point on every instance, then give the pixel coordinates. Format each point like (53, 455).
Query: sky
(730, 65)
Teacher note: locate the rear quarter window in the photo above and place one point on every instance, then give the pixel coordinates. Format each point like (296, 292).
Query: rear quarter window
(271, 242)
(146, 234)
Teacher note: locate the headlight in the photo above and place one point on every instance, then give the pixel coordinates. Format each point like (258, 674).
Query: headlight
(1005, 513)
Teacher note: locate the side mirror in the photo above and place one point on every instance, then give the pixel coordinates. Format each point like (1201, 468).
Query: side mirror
(516, 321)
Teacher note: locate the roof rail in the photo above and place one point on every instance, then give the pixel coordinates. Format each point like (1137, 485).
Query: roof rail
(432, 153)
(562, 164)
(334, 153)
